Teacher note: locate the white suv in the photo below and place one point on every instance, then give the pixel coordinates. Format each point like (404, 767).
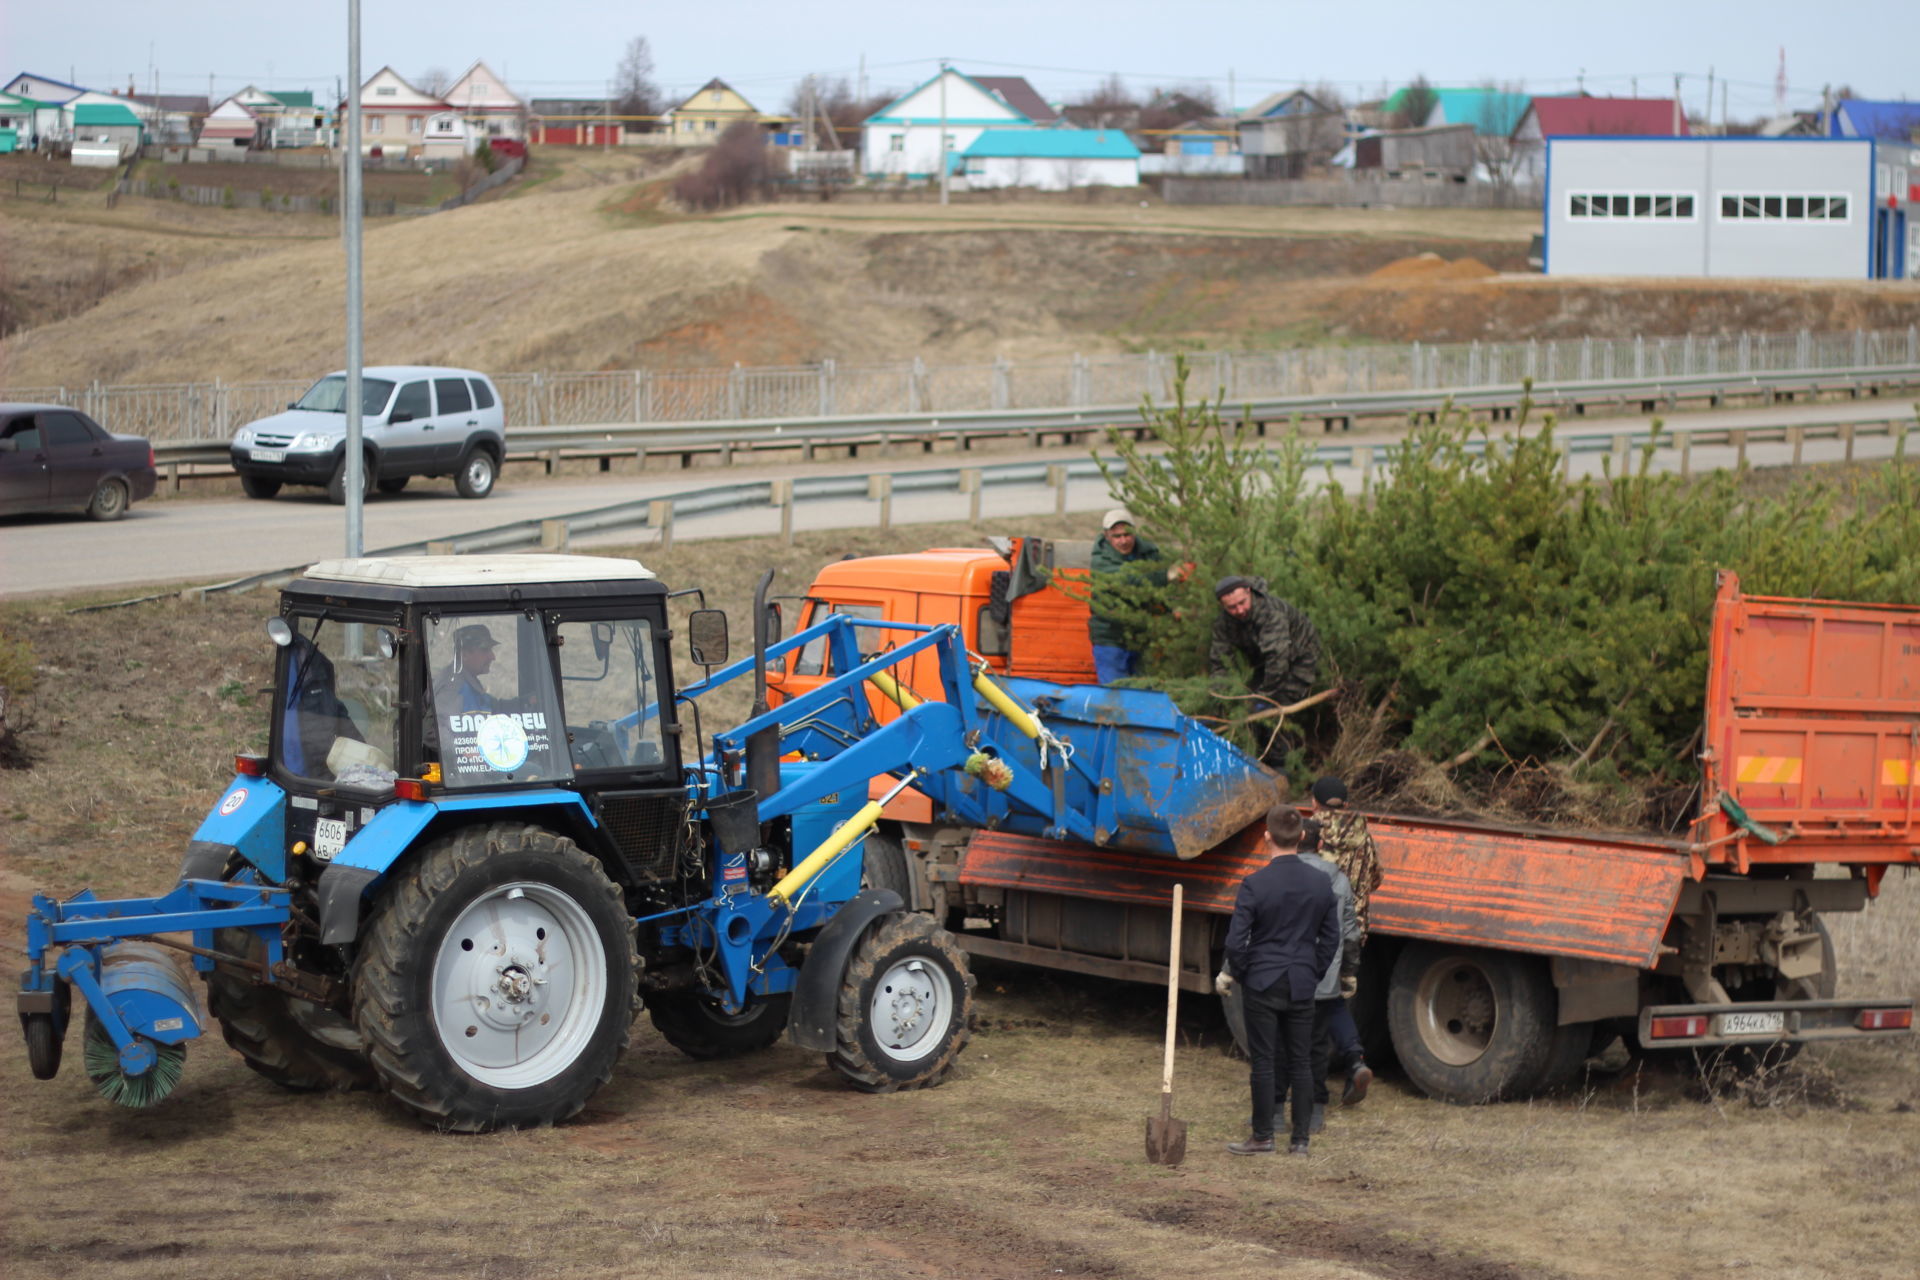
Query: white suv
(416, 420)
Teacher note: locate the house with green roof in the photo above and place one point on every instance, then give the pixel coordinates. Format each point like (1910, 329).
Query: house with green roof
(104, 133)
(902, 140)
(1050, 159)
(17, 115)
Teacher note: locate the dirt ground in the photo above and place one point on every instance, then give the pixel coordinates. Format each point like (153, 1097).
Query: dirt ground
(1028, 1162)
(584, 265)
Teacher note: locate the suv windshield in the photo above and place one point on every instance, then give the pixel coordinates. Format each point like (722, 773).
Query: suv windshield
(495, 717)
(329, 395)
(338, 723)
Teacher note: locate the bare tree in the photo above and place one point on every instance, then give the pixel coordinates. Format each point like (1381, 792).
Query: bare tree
(634, 92)
(434, 80)
(1495, 118)
(834, 100)
(1417, 101)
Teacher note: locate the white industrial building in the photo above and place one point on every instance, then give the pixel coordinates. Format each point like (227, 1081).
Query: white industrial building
(1783, 208)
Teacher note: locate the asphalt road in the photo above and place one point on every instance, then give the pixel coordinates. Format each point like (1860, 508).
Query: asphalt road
(194, 540)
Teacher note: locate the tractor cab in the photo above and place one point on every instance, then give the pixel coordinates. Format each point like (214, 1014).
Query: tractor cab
(400, 679)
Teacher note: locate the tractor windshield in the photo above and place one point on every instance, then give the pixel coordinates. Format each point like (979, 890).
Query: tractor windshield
(495, 717)
(612, 692)
(337, 719)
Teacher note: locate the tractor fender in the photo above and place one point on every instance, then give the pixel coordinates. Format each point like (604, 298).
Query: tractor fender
(250, 819)
(812, 1021)
(206, 860)
(376, 847)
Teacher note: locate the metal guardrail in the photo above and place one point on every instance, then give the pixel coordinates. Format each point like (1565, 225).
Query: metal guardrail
(832, 389)
(659, 514)
(551, 445)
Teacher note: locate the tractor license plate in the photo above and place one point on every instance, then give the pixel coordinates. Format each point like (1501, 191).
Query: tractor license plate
(269, 455)
(1752, 1024)
(329, 838)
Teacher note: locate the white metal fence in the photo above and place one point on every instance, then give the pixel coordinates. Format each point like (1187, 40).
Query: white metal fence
(213, 410)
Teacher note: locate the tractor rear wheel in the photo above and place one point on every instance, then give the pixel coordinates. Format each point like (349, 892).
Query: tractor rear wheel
(699, 1028)
(906, 1006)
(496, 980)
(309, 1050)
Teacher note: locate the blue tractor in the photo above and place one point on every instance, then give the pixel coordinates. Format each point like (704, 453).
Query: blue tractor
(488, 831)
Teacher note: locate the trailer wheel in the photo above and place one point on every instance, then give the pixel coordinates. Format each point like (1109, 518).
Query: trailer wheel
(43, 1046)
(699, 1028)
(495, 984)
(906, 1006)
(883, 865)
(309, 1051)
(1469, 1025)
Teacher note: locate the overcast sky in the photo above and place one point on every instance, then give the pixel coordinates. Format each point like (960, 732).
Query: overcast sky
(1244, 49)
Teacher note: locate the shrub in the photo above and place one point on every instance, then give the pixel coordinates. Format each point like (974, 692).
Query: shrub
(736, 170)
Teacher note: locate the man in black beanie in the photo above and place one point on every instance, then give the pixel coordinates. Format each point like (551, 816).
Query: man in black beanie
(1276, 638)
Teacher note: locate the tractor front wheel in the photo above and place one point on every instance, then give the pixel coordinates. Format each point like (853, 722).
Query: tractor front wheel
(495, 985)
(906, 1006)
(699, 1028)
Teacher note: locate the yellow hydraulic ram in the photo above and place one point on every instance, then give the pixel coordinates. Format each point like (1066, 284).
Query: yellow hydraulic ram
(902, 698)
(836, 844)
(1018, 716)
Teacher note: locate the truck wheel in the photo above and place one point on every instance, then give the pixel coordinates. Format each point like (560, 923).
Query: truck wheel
(1750, 1059)
(906, 1006)
(697, 1027)
(1572, 1046)
(476, 475)
(258, 486)
(109, 501)
(1471, 1025)
(317, 1052)
(495, 984)
(883, 865)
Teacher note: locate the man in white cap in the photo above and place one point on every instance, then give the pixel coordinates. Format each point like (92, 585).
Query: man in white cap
(1121, 550)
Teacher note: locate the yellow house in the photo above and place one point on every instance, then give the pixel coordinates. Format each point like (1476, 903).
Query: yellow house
(705, 116)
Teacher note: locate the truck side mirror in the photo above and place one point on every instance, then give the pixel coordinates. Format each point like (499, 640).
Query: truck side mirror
(707, 636)
(773, 622)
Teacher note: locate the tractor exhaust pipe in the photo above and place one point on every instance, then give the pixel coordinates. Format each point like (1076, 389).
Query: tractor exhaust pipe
(763, 748)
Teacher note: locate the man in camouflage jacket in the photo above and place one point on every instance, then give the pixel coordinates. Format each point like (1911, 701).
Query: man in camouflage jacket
(1347, 844)
(1278, 639)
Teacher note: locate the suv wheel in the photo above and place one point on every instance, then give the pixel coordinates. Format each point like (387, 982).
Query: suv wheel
(258, 486)
(476, 475)
(337, 483)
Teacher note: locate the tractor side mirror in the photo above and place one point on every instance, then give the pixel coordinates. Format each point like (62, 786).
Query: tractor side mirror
(707, 636)
(602, 641)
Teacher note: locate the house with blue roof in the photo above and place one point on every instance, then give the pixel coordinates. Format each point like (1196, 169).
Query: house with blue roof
(1493, 113)
(1885, 121)
(902, 141)
(1050, 159)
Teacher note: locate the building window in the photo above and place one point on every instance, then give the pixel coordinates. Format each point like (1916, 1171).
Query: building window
(385, 91)
(1590, 206)
(1741, 207)
(413, 124)
(376, 124)
(712, 125)
(896, 142)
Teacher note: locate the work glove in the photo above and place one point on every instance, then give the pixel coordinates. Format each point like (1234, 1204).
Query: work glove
(1181, 572)
(1223, 984)
(1349, 985)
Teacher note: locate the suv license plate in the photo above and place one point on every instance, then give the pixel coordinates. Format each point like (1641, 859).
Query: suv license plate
(269, 455)
(329, 838)
(1752, 1024)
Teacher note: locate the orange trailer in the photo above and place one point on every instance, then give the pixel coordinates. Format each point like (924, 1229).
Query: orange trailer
(1499, 955)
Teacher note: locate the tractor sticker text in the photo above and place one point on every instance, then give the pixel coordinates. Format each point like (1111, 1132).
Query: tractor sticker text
(498, 743)
(235, 798)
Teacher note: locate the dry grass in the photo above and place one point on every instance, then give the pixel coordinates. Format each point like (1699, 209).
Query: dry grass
(1028, 1162)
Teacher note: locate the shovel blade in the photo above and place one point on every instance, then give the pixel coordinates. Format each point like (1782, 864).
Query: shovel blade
(1166, 1140)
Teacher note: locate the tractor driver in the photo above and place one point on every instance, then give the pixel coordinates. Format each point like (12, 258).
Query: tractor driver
(458, 688)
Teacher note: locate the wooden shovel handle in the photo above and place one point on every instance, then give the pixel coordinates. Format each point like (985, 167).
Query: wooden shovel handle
(1173, 992)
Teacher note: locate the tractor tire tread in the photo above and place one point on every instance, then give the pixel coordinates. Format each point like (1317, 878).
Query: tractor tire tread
(849, 1058)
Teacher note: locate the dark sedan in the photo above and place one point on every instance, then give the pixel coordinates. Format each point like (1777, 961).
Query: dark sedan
(53, 458)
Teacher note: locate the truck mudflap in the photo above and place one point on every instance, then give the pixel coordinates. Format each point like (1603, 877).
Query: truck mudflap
(1758, 1024)
(1541, 892)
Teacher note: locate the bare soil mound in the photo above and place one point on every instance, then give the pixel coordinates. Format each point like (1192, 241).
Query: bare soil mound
(1431, 266)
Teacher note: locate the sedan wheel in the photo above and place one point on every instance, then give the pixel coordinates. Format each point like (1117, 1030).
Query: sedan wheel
(109, 501)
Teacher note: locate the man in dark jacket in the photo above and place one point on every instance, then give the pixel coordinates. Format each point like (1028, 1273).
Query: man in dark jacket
(1276, 638)
(1284, 935)
(1121, 550)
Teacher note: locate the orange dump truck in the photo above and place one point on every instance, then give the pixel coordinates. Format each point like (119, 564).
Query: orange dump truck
(1500, 957)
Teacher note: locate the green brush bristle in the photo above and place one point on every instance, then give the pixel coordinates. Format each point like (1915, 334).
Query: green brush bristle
(115, 1085)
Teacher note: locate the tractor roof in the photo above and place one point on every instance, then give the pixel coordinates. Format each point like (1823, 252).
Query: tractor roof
(480, 571)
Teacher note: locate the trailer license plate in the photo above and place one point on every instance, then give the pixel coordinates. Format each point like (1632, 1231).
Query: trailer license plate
(1752, 1024)
(329, 838)
(269, 455)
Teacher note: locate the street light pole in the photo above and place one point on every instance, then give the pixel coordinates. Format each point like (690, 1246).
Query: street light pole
(943, 131)
(350, 157)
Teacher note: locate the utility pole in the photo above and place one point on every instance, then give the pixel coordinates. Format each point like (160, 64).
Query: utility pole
(1709, 100)
(1676, 104)
(943, 131)
(1230, 93)
(606, 136)
(356, 352)
(863, 77)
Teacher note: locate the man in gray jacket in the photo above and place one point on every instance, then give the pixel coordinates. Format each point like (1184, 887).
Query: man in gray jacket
(1333, 1024)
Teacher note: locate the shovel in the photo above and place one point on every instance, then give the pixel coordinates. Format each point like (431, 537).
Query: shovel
(1167, 1137)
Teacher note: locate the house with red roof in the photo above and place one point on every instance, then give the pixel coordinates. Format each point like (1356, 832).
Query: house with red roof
(1587, 117)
